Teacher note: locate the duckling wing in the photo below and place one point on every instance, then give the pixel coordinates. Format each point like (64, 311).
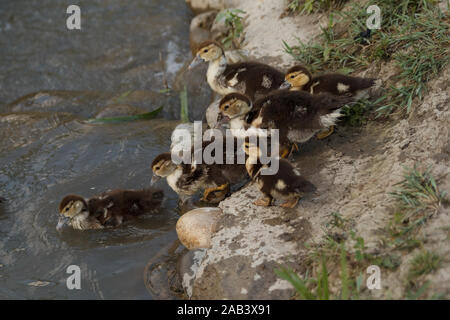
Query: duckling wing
(339, 84)
(326, 103)
(100, 210)
(283, 109)
(253, 77)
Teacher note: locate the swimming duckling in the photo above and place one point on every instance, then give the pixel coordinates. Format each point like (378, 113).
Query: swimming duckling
(108, 209)
(286, 184)
(186, 180)
(299, 78)
(251, 78)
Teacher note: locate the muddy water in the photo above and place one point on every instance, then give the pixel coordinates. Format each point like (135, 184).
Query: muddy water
(51, 80)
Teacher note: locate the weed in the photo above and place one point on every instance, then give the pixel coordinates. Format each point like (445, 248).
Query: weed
(418, 198)
(233, 21)
(425, 262)
(418, 191)
(184, 110)
(310, 6)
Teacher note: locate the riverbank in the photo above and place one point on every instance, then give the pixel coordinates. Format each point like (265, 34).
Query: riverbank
(355, 170)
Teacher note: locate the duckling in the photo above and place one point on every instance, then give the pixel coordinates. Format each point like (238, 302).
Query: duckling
(299, 78)
(237, 110)
(108, 209)
(297, 114)
(287, 184)
(251, 78)
(186, 180)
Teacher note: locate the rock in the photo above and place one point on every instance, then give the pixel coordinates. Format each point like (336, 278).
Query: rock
(187, 267)
(199, 93)
(199, 6)
(250, 242)
(211, 113)
(196, 227)
(200, 29)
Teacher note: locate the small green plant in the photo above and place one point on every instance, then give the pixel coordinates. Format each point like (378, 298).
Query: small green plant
(425, 262)
(418, 198)
(319, 290)
(418, 191)
(233, 20)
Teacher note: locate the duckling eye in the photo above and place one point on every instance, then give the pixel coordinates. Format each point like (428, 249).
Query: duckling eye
(226, 107)
(205, 51)
(157, 168)
(292, 77)
(67, 209)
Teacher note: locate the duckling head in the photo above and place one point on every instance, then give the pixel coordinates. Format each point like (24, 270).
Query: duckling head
(234, 105)
(162, 166)
(71, 207)
(296, 77)
(207, 51)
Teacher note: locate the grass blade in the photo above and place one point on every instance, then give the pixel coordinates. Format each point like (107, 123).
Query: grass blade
(143, 116)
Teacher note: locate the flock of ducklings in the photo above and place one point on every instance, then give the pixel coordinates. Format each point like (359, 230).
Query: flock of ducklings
(254, 95)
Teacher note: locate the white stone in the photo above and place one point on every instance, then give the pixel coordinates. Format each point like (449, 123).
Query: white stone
(196, 227)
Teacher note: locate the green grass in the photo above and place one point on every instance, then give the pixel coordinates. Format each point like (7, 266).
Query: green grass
(418, 198)
(310, 288)
(414, 34)
(310, 6)
(418, 191)
(424, 263)
(184, 109)
(144, 116)
(233, 20)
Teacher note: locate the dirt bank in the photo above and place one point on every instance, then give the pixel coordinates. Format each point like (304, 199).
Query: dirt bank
(354, 171)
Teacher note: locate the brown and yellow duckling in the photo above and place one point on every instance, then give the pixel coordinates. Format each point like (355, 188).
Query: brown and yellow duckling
(300, 78)
(237, 109)
(286, 184)
(251, 78)
(109, 209)
(297, 115)
(186, 179)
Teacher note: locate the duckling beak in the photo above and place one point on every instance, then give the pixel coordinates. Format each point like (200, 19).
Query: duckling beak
(155, 179)
(197, 60)
(285, 85)
(62, 221)
(221, 119)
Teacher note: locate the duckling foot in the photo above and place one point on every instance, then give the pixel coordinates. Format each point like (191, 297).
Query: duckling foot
(223, 191)
(285, 152)
(263, 202)
(290, 203)
(323, 134)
